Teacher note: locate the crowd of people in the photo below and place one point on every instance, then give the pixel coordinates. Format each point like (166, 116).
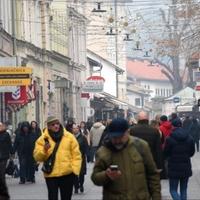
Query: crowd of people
(130, 156)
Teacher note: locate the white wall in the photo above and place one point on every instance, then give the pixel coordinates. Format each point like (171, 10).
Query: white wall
(131, 96)
(6, 15)
(165, 88)
(108, 72)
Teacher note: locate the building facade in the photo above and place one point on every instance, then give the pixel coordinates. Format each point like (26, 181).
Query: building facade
(147, 85)
(41, 33)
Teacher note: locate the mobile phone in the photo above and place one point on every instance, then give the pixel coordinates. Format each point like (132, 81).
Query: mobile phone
(46, 140)
(114, 167)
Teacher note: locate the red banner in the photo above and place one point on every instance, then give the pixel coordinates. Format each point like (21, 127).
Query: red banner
(19, 97)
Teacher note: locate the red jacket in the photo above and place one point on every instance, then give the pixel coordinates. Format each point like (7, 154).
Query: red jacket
(166, 128)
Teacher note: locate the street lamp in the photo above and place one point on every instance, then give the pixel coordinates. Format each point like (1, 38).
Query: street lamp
(98, 8)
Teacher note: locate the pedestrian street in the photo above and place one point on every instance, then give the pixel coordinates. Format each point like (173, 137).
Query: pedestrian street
(38, 190)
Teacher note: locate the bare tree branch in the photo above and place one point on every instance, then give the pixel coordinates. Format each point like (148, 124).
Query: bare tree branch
(168, 76)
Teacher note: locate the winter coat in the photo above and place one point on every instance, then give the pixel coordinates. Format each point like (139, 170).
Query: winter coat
(152, 136)
(166, 128)
(139, 179)
(5, 146)
(36, 132)
(195, 131)
(83, 145)
(96, 133)
(68, 156)
(178, 149)
(24, 142)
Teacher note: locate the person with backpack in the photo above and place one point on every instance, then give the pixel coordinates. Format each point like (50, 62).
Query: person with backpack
(125, 167)
(5, 149)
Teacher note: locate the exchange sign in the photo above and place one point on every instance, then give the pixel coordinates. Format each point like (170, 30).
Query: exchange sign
(15, 76)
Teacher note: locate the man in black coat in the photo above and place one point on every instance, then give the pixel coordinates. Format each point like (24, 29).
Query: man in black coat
(5, 148)
(151, 135)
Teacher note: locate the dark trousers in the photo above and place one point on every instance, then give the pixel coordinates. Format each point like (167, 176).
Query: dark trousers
(3, 188)
(79, 181)
(62, 183)
(92, 153)
(197, 145)
(173, 186)
(27, 168)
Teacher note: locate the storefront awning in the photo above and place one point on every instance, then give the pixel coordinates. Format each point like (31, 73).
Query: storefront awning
(112, 100)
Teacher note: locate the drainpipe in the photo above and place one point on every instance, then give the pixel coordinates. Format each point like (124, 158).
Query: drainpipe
(13, 9)
(46, 101)
(116, 48)
(43, 25)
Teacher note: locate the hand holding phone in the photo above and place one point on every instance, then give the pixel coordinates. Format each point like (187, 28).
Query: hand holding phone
(114, 167)
(113, 172)
(46, 145)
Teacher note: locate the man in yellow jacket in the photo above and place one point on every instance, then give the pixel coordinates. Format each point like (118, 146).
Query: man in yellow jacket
(67, 162)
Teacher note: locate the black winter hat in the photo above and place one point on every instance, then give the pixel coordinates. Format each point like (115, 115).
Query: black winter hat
(177, 122)
(117, 127)
(163, 118)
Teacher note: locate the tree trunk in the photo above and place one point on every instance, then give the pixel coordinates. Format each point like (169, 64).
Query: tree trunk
(177, 83)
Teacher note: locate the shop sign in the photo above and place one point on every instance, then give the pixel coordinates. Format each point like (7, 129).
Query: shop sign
(197, 88)
(15, 76)
(176, 99)
(19, 96)
(85, 95)
(94, 84)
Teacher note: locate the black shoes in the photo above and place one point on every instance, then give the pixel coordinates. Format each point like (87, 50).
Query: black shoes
(81, 189)
(76, 191)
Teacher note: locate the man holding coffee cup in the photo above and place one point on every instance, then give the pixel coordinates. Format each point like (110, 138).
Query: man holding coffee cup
(124, 166)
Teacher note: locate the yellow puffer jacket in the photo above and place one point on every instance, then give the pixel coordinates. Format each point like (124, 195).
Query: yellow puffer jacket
(68, 156)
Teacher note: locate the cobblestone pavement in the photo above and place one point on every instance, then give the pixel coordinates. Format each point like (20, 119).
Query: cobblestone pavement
(38, 191)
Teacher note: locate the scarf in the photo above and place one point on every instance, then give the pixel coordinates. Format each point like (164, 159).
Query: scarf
(56, 136)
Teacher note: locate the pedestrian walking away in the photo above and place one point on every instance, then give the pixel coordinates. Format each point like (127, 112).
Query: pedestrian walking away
(59, 150)
(95, 136)
(151, 135)
(125, 167)
(178, 149)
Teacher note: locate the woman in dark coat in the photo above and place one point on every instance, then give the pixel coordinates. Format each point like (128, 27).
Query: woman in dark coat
(35, 134)
(178, 149)
(24, 145)
(35, 130)
(83, 145)
(5, 149)
(85, 132)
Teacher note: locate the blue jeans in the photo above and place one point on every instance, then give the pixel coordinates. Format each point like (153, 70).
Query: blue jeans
(92, 153)
(173, 187)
